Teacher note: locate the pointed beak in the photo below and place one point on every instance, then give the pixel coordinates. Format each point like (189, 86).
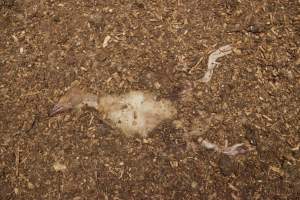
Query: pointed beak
(57, 109)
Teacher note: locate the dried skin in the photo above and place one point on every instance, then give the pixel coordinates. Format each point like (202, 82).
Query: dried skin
(134, 113)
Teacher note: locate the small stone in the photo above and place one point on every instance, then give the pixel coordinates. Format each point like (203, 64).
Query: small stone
(194, 184)
(157, 85)
(237, 51)
(174, 164)
(16, 190)
(149, 75)
(146, 141)
(199, 94)
(83, 69)
(106, 40)
(178, 124)
(289, 74)
(59, 167)
(56, 18)
(15, 38)
(225, 106)
(30, 185)
(259, 74)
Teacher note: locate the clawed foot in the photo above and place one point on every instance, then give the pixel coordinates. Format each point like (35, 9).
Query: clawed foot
(234, 150)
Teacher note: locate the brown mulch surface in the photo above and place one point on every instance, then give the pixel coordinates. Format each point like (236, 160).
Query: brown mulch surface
(162, 47)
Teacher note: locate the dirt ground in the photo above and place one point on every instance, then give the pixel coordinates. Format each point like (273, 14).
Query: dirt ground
(162, 47)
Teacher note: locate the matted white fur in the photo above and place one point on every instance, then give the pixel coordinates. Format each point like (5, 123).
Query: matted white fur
(136, 112)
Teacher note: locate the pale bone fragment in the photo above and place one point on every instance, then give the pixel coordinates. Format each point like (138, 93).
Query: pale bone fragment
(106, 40)
(212, 61)
(234, 150)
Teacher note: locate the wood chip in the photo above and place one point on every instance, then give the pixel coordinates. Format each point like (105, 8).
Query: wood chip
(59, 167)
(106, 40)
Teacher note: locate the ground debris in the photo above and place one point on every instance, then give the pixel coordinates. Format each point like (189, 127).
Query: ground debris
(106, 40)
(59, 167)
(46, 45)
(212, 61)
